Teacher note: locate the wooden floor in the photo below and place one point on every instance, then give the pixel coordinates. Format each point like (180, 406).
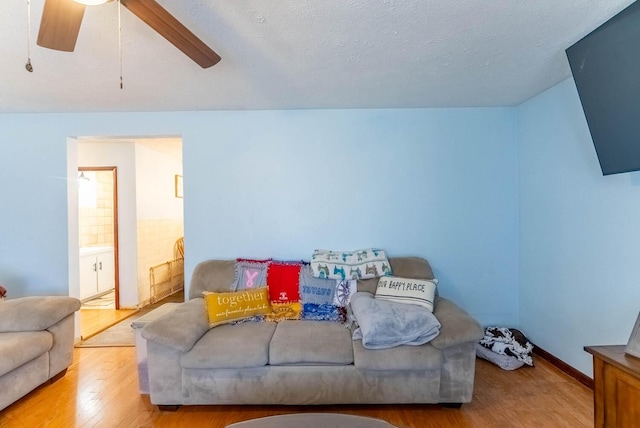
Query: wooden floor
(101, 390)
(93, 321)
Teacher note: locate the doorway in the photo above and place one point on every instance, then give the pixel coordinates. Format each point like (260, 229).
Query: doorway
(98, 247)
(150, 214)
(98, 227)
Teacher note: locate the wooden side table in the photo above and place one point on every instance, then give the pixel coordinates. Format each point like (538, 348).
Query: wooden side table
(616, 387)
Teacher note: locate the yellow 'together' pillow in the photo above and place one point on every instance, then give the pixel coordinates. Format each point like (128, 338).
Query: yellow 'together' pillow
(224, 308)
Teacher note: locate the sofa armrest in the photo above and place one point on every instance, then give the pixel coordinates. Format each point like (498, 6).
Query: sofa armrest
(457, 326)
(181, 328)
(61, 353)
(35, 313)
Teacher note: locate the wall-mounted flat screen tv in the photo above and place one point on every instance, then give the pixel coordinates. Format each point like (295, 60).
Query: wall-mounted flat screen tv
(606, 69)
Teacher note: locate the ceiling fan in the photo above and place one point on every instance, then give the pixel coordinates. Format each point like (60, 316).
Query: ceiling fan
(61, 21)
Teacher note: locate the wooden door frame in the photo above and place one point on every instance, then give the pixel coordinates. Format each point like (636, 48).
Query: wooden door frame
(114, 170)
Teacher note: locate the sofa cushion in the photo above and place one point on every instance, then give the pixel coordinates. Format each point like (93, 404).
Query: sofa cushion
(424, 357)
(212, 275)
(310, 343)
(231, 346)
(17, 349)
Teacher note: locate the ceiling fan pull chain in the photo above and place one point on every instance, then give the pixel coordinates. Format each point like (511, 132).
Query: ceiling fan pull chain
(120, 41)
(28, 65)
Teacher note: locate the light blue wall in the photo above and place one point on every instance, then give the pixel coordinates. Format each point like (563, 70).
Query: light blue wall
(445, 184)
(579, 233)
(435, 183)
(33, 210)
(33, 191)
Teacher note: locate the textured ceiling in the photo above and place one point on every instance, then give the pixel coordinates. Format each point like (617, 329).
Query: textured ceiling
(286, 54)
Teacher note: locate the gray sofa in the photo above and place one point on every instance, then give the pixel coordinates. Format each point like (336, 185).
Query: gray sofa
(303, 362)
(36, 343)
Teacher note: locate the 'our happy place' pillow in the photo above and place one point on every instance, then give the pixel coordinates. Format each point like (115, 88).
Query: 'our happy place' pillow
(223, 308)
(405, 290)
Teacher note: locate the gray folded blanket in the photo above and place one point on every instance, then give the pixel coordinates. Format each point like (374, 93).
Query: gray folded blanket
(385, 324)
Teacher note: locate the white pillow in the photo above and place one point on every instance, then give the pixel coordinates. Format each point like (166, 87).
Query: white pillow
(405, 290)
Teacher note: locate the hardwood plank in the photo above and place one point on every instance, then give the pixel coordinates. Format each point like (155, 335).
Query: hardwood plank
(100, 389)
(574, 373)
(93, 321)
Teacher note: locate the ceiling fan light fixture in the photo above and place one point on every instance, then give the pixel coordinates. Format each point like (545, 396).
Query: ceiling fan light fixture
(61, 20)
(91, 2)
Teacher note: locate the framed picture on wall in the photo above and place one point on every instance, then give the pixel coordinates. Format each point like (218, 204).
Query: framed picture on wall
(179, 191)
(633, 346)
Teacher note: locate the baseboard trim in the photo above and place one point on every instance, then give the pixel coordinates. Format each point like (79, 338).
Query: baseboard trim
(564, 367)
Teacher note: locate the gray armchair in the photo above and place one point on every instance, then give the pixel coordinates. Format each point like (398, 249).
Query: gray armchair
(36, 343)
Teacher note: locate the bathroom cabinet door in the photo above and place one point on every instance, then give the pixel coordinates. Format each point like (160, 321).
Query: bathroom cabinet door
(88, 276)
(106, 271)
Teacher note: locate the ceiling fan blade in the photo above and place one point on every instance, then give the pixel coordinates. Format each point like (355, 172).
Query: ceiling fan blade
(60, 24)
(171, 29)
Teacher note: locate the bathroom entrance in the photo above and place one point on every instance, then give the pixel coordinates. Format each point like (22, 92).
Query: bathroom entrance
(98, 229)
(98, 233)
